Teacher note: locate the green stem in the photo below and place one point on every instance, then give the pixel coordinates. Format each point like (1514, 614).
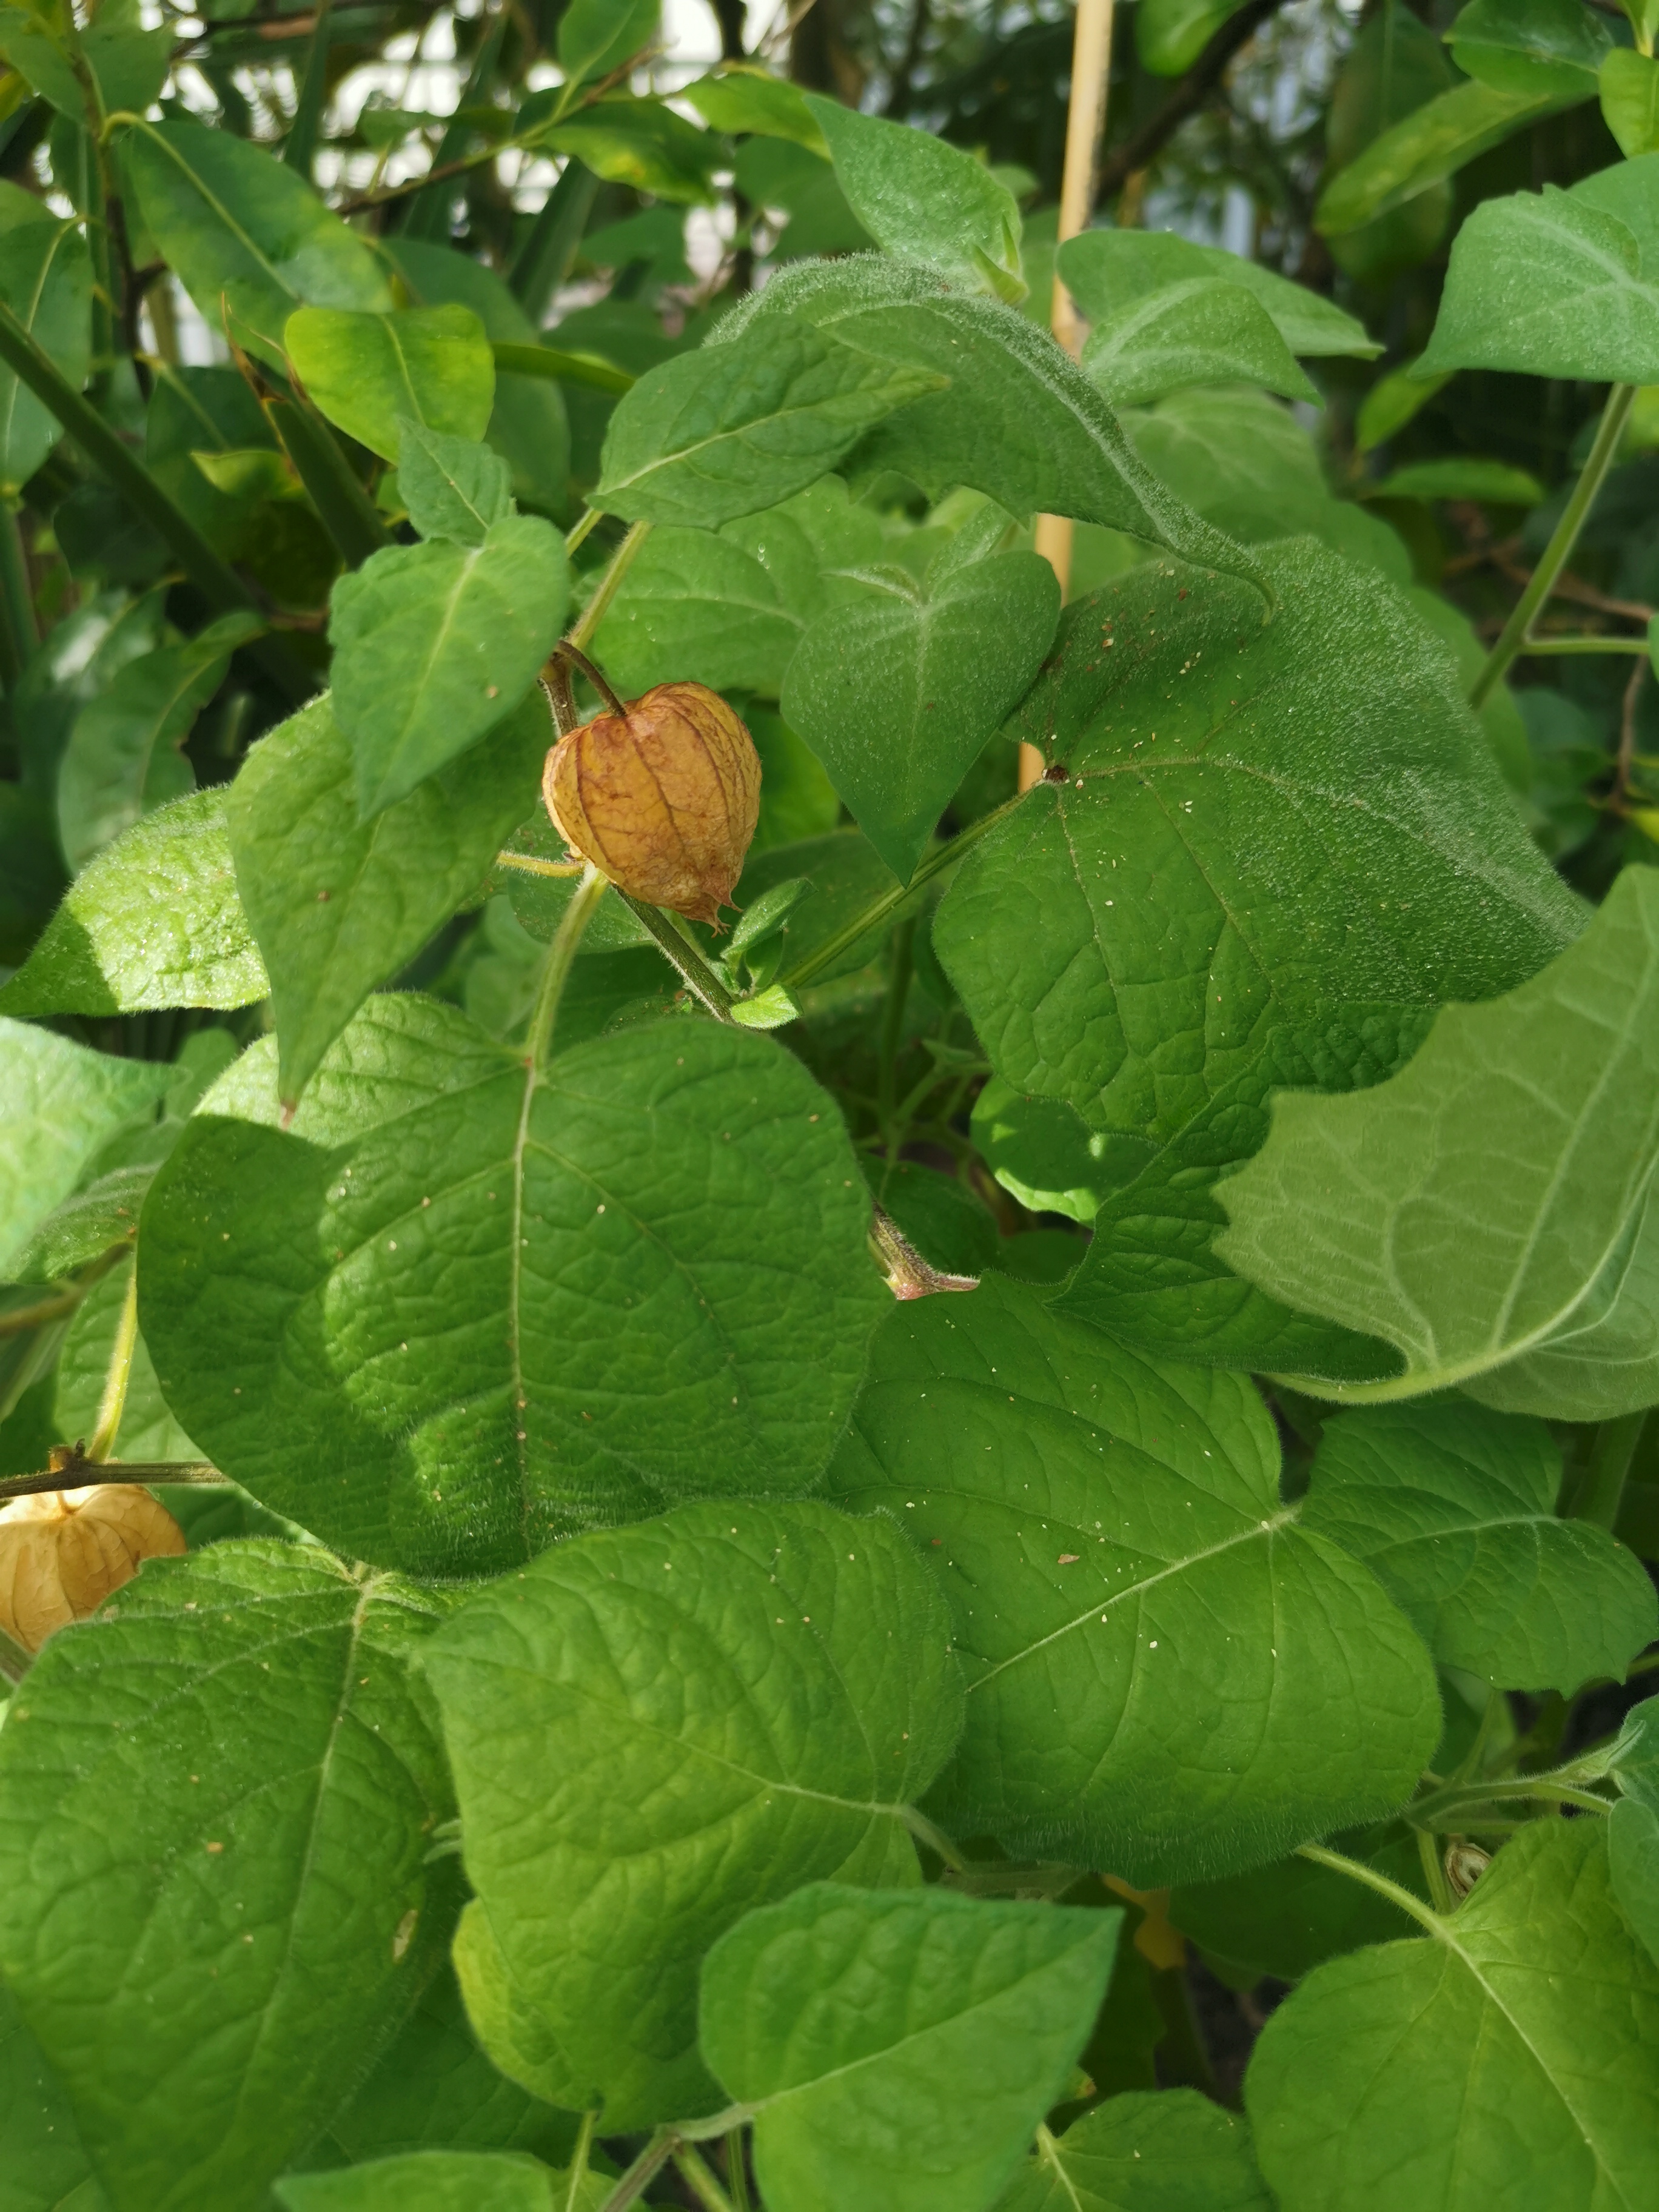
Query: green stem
(591, 518)
(301, 141)
(876, 912)
(1601, 1488)
(737, 2171)
(701, 2183)
(1565, 537)
(579, 2159)
(644, 2172)
(892, 1027)
(1535, 646)
(217, 582)
(548, 252)
(1433, 1872)
(621, 561)
(19, 634)
(1414, 1907)
(935, 1838)
(528, 864)
(113, 1403)
(560, 955)
(348, 513)
(1444, 1808)
(693, 970)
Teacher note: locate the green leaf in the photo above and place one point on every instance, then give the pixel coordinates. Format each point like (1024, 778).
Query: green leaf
(1012, 414)
(338, 906)
(127, 63)
(730, 428)
(1522, 1139)
(1045, 1152)
(1396, 66)
(1171, 34)
(1550, 285)
(215, 1804)
(367, 372)
(598, 36)
(1464, 477)
(152, 921)
(1433, 143)
(1288, 1918)
(1106, 270)
(46, 279)
(245, 234)
(1273, 849)
(1168, 2151)
(1453, 1510)
(936, 1214)
(694, 607)
(124, 756)
(147, 1430)
(1162, 1669)
(85, 1225)
(45, 2168)
(744, 98)
(59, 1105)
(918, 196)
(1507, 2059)
(1630, 100)
(1202, 331)
(434, 2088)
(453, 487)
(716, 1754)
(503, 2016)
(898, 694)
(440, 2181)
(1551, 48)
(399, 1051)
(528, 426)
(1392, 402)
(642, 144)
(583, 1365)
(436, 644)
(901, 2049)
(1633, 1867)
(1235, 457)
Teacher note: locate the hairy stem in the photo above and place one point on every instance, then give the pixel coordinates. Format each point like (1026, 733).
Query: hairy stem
(693, 970)
(1414, 1907)
(936, 1841)
(1433, 1872)
(1600, 1488)
(1513, 636)
(76, 1471)
(22, 1319)
(113, 1403)
(568, 652)
(621, 561)
(1445, 1808)
(589, 890)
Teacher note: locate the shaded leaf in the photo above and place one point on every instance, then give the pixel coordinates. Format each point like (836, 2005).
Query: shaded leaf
(694, 607)
(645, 1747)
(1433, 143)
(1203, 331)
(640, 143)
(1634, 1870)
(1536, 46)
(1171, 34)
(441, 2181)
(1630, 101)
(901, 2049)
(152, 920)
(43, 2167)
(339, 905)
(1288, 1918)
(597, 36)
(453, 487)
(193, 1882)
(1106, 270)
(367, 372)
(59, 1104)
(1171, 2150)
(46, 279)
(1162, 1669)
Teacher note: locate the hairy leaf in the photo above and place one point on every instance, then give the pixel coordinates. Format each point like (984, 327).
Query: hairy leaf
(1488, 1210)
(215, 1807)
(726, 430)
(1508, 2058)
(43, 2167)
(338, 906)
(369, 373)
(1162, 1668)
(1171, 2150)
(918, 196)
(644, 1745)
(452, 486)
(632, 1250)
(442, 2181)
(152, 920)
(59, 1103)
(1105, 270)
(1453, 1510)
(1204, 331)
(901, 2049)
(435, 644)
(695, 607)
(898, 694)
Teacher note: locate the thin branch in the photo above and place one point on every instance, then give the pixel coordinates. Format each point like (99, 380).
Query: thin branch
(70, 1468)
(1639, 677)
(578, 660)
(1142, 148)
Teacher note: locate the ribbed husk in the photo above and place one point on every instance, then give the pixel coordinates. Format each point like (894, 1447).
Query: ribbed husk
(62, 1552)
(664, 801)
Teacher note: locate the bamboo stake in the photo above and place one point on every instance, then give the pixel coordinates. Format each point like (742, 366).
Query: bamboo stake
(1085, 126)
